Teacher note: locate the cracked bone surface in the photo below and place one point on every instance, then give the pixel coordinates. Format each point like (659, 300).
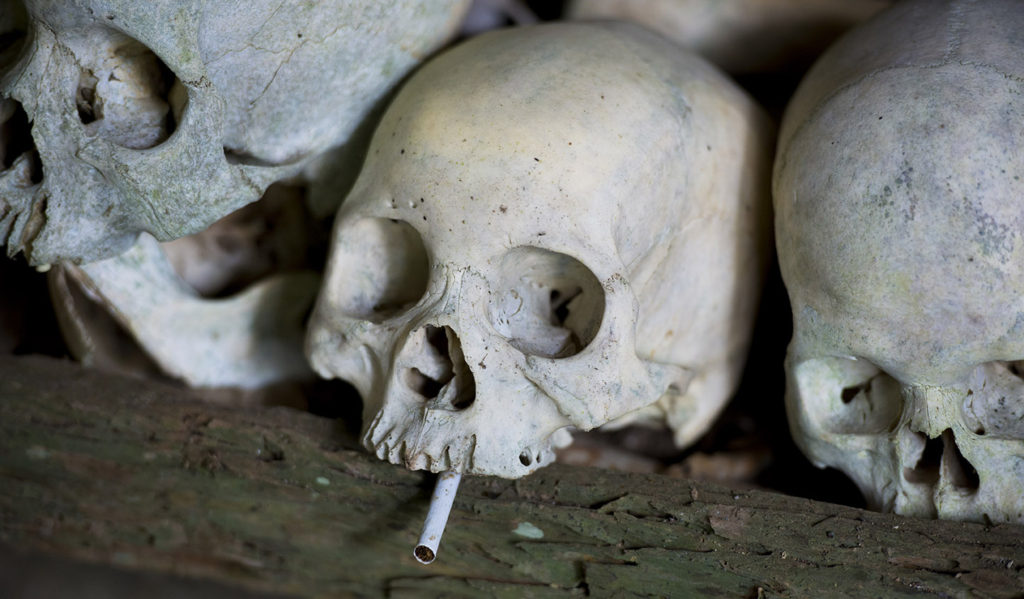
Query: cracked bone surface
(556, 226)
(115, 120)
(899, 196)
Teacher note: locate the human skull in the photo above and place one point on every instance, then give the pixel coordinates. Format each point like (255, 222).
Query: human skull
(119, 117)
(556, 226)
(900, 220)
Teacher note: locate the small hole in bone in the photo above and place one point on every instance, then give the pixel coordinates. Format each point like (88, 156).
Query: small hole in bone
(525, 459)
(380, 269)
(560, 304)
(927, 469)
(85, 98)
(961, 473)
(549, 304)
(864, 400)
(422, 384)
(849, 393)
(124, 92)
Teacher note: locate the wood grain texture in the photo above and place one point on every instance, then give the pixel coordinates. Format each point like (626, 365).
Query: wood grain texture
(140, 475)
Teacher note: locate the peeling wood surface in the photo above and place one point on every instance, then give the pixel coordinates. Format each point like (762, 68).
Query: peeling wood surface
(113, 471)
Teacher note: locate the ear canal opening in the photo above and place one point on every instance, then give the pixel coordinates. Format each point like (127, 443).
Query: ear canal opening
(124, 94)
(549, 304)
(379, 269)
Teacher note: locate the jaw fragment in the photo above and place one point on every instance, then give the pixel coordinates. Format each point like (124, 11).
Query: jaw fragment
(247, 341)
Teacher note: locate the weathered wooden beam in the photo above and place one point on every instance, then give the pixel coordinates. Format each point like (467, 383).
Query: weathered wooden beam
(117, 471)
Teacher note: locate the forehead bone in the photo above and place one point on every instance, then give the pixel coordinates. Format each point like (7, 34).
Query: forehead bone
(566, 94)
(899, 190)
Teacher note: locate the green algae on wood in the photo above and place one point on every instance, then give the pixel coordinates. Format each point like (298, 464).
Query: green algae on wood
(110, 470)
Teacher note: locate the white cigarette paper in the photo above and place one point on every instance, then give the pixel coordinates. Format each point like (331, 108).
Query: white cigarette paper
(437, 516)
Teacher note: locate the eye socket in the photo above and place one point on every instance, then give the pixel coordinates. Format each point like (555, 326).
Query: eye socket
(548, 304)
(849, 395)
(379, 269)
(128, 96)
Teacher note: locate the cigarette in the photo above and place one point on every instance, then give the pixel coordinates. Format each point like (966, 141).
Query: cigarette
(437, 516)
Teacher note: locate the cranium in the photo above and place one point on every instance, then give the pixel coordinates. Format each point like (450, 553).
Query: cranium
(556, 226)
(900, 221)
(121, 117)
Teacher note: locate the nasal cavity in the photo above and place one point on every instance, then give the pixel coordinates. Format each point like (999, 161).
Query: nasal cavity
(928, 466)
(961, 473)
(941, 455)
(442, 375)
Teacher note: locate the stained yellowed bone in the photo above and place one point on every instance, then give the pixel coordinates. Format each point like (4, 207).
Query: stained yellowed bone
(437, 516)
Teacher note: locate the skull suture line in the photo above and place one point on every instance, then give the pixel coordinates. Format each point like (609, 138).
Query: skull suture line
(899, 191)
(555, 226)
(164, 116)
